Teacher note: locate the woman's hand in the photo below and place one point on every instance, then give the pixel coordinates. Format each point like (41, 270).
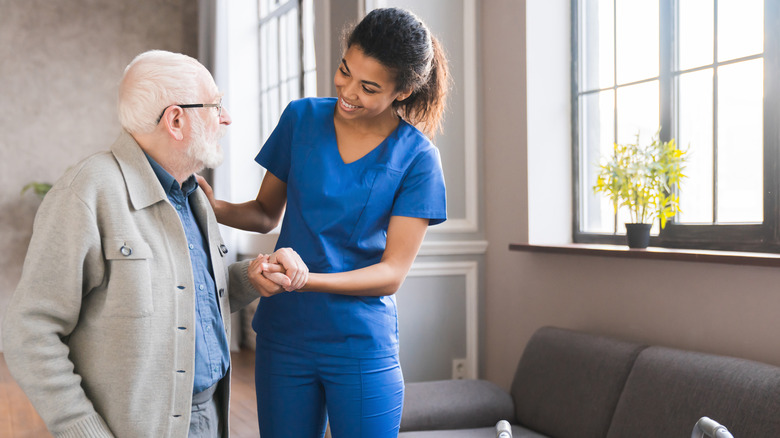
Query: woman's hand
(207, 190)
(291, 264)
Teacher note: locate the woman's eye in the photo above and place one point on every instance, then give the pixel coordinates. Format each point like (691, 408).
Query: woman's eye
(368, 90)
(343, 72)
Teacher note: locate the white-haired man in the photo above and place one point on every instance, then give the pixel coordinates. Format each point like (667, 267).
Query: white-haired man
(120, 323)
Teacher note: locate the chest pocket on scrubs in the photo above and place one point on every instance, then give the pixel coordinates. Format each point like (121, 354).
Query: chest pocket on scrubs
(370, 232)
(129, 290)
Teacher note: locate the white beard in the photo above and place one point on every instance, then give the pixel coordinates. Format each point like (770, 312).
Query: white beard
(203, 151)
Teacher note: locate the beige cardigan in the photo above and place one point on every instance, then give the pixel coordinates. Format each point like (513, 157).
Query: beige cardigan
(99, 333)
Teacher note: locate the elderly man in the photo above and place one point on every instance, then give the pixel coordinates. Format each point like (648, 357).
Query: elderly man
(120, 323)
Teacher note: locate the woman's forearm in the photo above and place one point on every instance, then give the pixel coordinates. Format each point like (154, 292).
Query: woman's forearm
(376, 280)
(249, 216)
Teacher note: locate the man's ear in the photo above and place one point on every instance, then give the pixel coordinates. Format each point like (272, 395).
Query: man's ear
(174, 122)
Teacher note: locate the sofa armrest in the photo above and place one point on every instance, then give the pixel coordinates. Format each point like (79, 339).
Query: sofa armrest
(455, 404)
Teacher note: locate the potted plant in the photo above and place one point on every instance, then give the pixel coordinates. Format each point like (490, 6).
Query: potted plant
(644, 179)
(39, 188)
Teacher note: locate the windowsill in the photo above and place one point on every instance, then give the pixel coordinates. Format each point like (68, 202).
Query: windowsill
(655, 253)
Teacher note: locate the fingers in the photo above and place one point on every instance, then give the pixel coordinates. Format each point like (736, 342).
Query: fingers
(206, 189)
(295, 269)
(278, 278)
(263, 285)
(275, 273)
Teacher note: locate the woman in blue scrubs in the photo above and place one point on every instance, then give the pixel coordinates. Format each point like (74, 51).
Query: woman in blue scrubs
(361, 182)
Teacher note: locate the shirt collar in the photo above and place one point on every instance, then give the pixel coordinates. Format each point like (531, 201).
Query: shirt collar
(169, 183)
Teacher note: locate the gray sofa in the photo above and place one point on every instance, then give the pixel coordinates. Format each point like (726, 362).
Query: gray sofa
(570, 384)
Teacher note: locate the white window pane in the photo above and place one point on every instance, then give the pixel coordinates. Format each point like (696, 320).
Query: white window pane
(274, 111)
(740, 28)
(262, 8)
(638, 112)
(695, 133)
(284, 93)
(294, 87)
(273, 52)
(310, 84)
(597, 44)
(597, 137)
(740, 142)
(292, 44)
(309, 63)
(696, 23)
(284, 48)
(264, 58)
(637, 40)
(265, 118)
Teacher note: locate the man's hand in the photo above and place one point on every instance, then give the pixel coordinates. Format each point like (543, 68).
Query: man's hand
(266, 283)
(293, 266)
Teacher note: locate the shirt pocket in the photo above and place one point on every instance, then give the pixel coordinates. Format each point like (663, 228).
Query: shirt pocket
(369, 232)
(129, 280)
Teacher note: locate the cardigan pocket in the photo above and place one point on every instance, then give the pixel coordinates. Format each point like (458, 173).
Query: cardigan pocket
(129, 284)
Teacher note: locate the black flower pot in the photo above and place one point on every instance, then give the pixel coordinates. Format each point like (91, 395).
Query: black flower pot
(638, 235)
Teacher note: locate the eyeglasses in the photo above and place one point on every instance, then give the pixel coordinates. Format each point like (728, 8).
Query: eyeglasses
(218, 106)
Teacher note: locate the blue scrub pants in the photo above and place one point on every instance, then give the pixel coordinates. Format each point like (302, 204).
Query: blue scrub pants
(299, 391)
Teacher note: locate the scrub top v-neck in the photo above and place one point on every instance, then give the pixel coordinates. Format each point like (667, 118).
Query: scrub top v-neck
(336, 219)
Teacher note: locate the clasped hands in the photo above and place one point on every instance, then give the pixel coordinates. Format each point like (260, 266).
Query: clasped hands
(281, 271)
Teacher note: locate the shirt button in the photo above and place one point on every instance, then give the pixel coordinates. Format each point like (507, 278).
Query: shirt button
(192, 246)
(201, 287)
(178, 207)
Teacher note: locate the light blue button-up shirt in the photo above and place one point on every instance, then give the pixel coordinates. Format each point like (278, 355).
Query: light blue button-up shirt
(212, 355)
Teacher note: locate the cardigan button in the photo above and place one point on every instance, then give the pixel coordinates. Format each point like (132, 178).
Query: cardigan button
(223, 249)
(126, 250)
(221, 292)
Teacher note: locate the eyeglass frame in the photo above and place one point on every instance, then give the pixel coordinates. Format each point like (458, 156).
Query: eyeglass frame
(218, 106)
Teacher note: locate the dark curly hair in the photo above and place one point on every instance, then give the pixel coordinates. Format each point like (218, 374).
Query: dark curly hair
(402, 42)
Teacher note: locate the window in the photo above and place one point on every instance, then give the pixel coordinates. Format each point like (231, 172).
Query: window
(705, 72)
(287, 66)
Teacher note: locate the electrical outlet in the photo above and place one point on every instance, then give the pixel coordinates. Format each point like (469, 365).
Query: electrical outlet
(459, 369)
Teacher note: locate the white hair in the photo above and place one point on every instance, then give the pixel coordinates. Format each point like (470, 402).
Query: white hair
(153, 81)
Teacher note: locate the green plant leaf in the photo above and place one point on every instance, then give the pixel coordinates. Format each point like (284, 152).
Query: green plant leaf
(39, 188)
(644, 179)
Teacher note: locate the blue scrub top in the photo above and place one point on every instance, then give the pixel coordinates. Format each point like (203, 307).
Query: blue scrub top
(336, 219)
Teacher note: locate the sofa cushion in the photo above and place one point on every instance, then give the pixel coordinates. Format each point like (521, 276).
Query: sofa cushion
(567, 383)
(669, 390)
(454, 404)
(482, 432)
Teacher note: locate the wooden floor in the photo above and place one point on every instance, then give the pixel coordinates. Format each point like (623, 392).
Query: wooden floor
(18, 419)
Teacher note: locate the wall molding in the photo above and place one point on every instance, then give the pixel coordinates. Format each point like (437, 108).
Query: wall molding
(453, 247)
(470, 223)
(470, 271)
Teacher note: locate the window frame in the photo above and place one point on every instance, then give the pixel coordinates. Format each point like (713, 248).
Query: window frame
(304, 43)
(764, 237)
